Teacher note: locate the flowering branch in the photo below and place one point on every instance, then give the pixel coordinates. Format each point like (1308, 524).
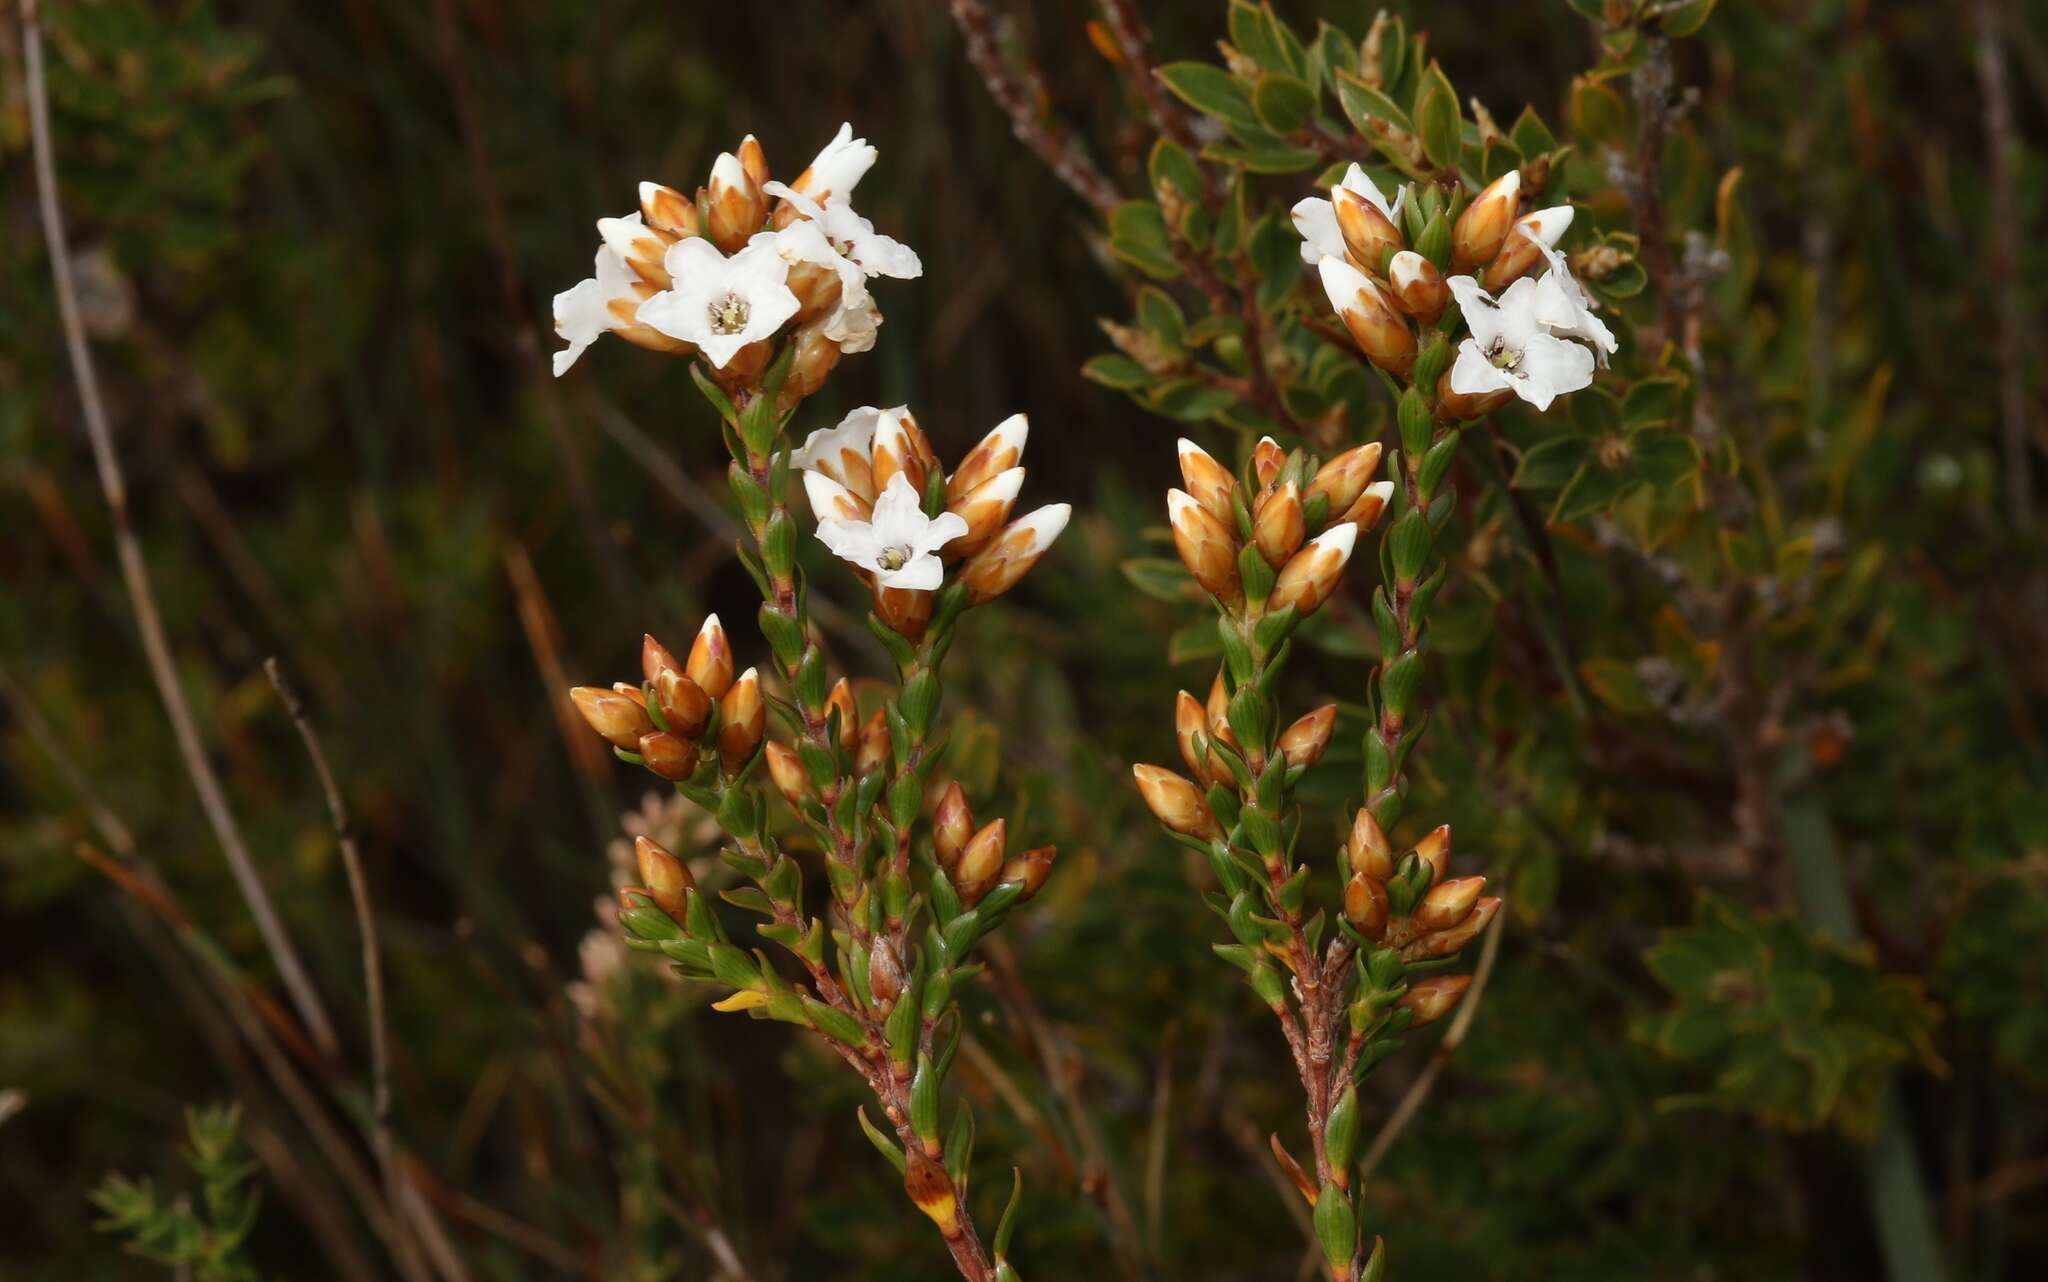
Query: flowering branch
(768, 297)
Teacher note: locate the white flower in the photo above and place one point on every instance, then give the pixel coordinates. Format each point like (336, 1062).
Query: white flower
(899, 544)
(833, 235)
(1510, 350)
(722, 304)
(584, 311)
(1563, 308)
(839, 167)
(1316, 218)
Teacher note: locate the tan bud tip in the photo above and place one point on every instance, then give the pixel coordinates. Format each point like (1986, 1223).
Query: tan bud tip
(1278, 527)
(1030, 869)
(684, 704)
(754, 160)
(1429, 1000)
(1206, 546)
(999, 451)
(787, 772)
(670, 756)
(1191, 729)
(666, 877)
(1176, 802)
(1267, 458)
(1303, 742)
(1370, 506)
(710, 663)
(841, 702)
(983, 858)
(1418, 287)
(1367, 848)
(1449, 902)
(1307, 580)
(655, 658)
(666, 209)
(1435, 850)
(1365, 905)
(1340, 481)
(742, 721)
(618, 717)
(1208, 481)
(952, 826)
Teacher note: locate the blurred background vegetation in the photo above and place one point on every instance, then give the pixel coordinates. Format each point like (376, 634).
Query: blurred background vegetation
(316, 246)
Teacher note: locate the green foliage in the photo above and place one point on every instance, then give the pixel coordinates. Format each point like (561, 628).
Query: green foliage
(1799, 1031)
(202, 1241)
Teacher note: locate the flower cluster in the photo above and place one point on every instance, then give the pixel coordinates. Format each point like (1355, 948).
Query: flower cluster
(726, 273)
(886, 506)
(1532, 337)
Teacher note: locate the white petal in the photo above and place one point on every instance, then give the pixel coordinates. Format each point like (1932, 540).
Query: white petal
(1316, 220)
(1343, 283)
(1044, 525)
(1481, 313)
(1550, 368)
(852, 541)
(1546, 226)
(830, 499)
(922, 573)
(1474, 375)
(944, 528)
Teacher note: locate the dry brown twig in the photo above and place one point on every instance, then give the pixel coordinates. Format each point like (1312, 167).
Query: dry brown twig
(135, 569)
(1049, 140)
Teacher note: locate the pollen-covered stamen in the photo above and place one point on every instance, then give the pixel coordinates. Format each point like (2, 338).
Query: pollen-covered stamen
(729, 314)
(1502, 356)
(893, 558)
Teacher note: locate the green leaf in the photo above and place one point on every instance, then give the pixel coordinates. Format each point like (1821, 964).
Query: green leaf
(1685, 17)
(1162, 578)
(1553, 463)
(1595, 412)
(1531, 136)
(887, 1147)
(1283, 103)
(1114, 370)
(1662, 457)
(1437, 118)
(1269, 158)
(1170, 165)
(1191, 400)
(1137, 235)
(1594, 489)
(1653, 401)
(1367, 108)
(1616, 684)
(1211, 91)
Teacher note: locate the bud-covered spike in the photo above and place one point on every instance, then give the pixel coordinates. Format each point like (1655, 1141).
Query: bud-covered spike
(710, 662)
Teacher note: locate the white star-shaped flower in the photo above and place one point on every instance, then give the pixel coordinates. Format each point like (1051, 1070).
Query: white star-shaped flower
(899, 544)
(1563, 308)
(722, 304)
(1511, 350)
(584, 311)
(1316, 218)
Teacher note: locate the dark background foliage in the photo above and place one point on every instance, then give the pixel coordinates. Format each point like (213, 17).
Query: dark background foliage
(317, 244)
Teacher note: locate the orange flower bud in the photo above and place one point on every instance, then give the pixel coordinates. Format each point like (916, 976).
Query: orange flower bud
(905, 610)
(1029, 869)
(952, 827)
(1367, 848)
(1218, 708)
(1448, 902)
(655, 658)
(984, 508)
(644, 249)
(996, 568)
(816, 357)
(841, 701)
(1477, 235)
(981, 862)
(895, 451)
(1454, 406)
(1191, 728)
(742, 720)
(1267, 460)
(619, 718)
(1365, 905)
(670, 756)
(1206, 547)
(684, 705)
(1446, 942)
(1368, 233)
(666, 209)
(1177, 803)
(1208, 481)
(1418, 287)
(1371, 505)
(787, 771)
(996, 453)
(816, 287)
(736, 205)
(1307, 580)
(710, 661)
(1435, 850)
(1303, 742)
(885, 972)
(1341, 480)
(1380, 331)
(874, 744)
(754, 160)
(1522, 250)
(1277, 526)
(1431, 999)
(665, 876)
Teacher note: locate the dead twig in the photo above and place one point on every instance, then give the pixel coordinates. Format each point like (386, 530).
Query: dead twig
(135, 570)
(1014, 92)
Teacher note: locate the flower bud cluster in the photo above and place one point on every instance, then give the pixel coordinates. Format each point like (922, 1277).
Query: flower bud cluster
(687, 720)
